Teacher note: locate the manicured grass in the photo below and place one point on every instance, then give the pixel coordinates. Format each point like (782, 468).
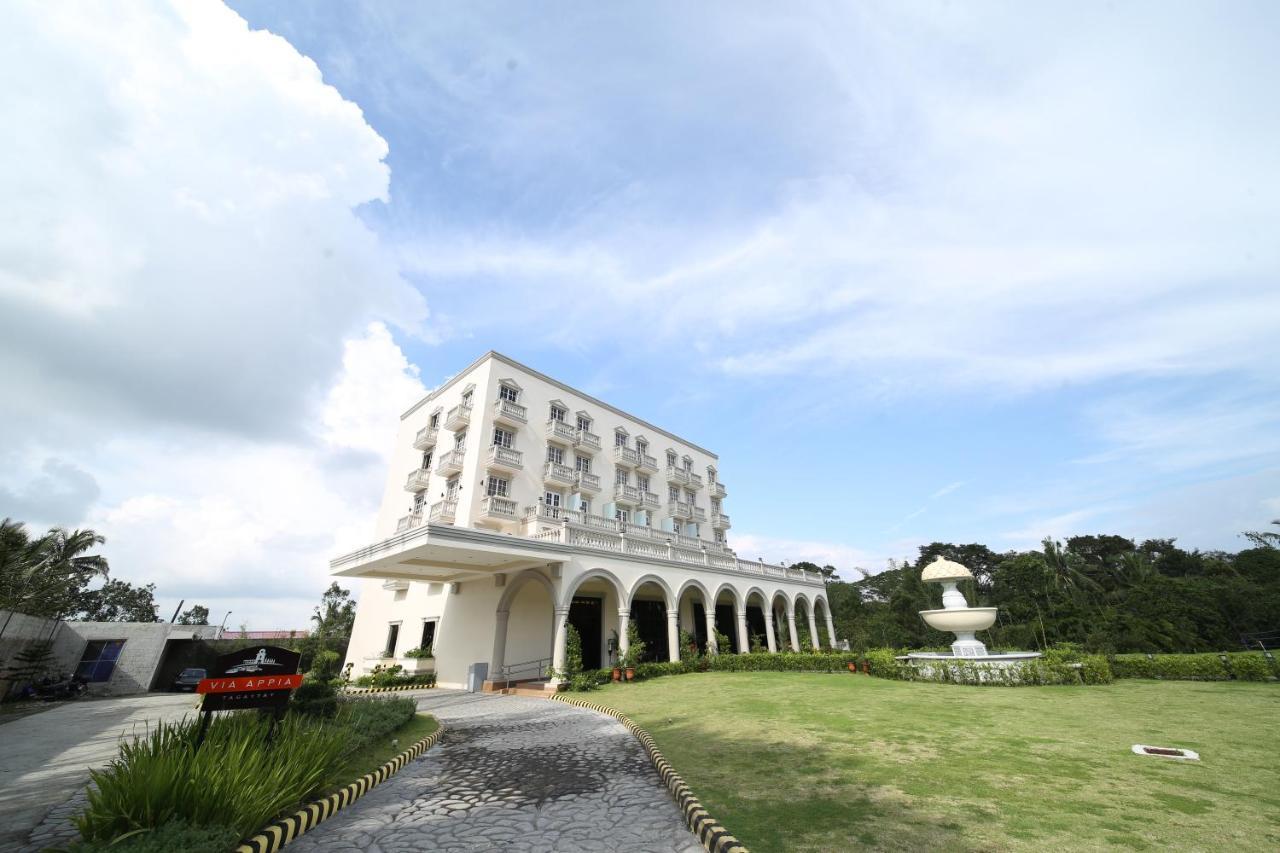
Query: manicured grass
(386, 749)
(800, 761)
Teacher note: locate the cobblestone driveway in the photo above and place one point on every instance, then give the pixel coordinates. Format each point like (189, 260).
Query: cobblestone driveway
(520, 774)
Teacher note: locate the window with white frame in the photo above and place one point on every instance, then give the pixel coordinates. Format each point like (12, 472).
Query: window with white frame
(582, 463)
(719, 537)
(503, 437)
(689, 497)
(584, 423)
(673, 493)
(551, 500)
(711, 474)
(509, 393)
(619, 438)
(555, 454)
(451, 488)
(558, 414)
(393, 637)
(435, 420)
(671, 459)
(642, 482)
(622, 515)
(715, 506)
(466, 400)
(426, 460)
(497, 486)
(688, 464)
(584, 504)
(621, 475)
(419, 498)
(642, 447)
(460, 440)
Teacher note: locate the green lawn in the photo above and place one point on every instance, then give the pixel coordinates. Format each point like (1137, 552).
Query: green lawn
(800, 761)
(387, 748)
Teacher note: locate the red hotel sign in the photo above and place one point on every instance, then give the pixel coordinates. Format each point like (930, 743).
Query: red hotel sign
(248, 682)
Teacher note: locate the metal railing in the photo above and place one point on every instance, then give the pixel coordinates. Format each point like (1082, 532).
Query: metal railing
(525, 670)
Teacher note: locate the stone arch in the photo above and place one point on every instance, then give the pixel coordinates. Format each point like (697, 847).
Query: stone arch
(759, 628)
(591, 574)
(696, 584)
(783, 617)
(806, 622)
(692, 618)
(730, 619)
(529, 630)
(825, 624)
(668, 597)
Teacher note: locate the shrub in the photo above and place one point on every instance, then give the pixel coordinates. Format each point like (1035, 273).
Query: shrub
(395, 676)
(1251, 666)
(419, 653)
(233, 780)
(1246, 666)
(166, 838)
(315, 698)
(1064, 664)
(368, 719)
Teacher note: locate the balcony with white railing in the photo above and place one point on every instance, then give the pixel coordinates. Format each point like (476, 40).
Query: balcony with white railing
(426, 438)
(626, 493)
(625, 456)
(496, 506)
(557, 474)
(417, 480)
(443, 512)
(695, 480)
(585, 440)
(650, 500)
(507, 412)
(679, 509)
(717, 489)
(505, 458)
(450, 462)
(677, 475)
(561, 431)
(720, 521)
(648, 463)
(409, 522)
(458, 417)
(588, 482)
(699, 514)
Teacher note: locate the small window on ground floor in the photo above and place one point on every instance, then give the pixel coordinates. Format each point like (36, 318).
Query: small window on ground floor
(428, 633)
(99, 660)
(393, 636)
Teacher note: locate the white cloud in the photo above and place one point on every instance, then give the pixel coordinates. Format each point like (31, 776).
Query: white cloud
(191, 311)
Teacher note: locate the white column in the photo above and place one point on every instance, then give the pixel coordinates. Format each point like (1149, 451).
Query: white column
(710, 614)
(831, 626)
(562, 637)
(499, 657)
(624, 618)
(813, 629)
(791, 625)
(768, 630)
(744, 644)
(673, 635)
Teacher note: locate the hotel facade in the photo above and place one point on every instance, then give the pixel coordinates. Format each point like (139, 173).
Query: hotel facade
(517, 506)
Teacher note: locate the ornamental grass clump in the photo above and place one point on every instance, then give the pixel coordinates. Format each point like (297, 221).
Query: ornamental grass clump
(234, 779)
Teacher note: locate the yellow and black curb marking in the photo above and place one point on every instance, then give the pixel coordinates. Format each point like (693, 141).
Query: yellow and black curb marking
(710, 832)
(362, 690)
(277, 834)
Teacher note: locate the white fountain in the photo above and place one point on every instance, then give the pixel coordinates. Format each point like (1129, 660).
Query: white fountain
(962, 620)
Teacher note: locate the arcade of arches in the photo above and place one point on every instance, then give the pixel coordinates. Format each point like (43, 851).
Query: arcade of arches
(534, 613)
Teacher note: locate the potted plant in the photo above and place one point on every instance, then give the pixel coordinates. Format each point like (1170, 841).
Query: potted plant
(418, 661)
(634, 653)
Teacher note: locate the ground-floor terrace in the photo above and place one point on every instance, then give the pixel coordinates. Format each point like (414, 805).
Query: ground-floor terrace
(507, 602)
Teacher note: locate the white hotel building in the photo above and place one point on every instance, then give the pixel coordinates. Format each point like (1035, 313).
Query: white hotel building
(516, 506)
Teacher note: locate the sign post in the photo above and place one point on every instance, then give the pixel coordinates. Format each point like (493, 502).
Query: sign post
(256, 677)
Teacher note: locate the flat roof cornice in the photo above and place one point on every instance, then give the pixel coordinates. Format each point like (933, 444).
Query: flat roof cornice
(497, 356)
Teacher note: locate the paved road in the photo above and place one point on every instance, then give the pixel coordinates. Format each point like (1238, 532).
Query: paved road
(518, 774)
(45, 759)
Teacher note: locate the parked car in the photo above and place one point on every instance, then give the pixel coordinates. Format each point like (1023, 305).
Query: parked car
(188, 679)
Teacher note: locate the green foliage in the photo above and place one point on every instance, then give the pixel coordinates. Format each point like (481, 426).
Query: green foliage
(688, 646)
(369, 719)
(32, 663)
(166, 838)
(118, 601)
(635, 647)
(572, 658)
(234, 779)
(1064, 664)
(723, 644)
(317, 696)
(1245, 666)
(394, 676)
(1106, 593)
(197, 614)
(49, 575)
(419, 653)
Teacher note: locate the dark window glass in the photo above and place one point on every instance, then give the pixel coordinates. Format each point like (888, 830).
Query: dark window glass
(99, 660)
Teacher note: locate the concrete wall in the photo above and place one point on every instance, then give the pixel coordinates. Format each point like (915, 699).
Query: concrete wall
(17, 632)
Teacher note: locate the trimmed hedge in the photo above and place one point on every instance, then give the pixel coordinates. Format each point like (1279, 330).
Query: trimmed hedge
(833, 661)
(1058, 666)
(1243, 666)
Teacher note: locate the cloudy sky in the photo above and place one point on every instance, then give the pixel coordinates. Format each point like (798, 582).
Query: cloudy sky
(916, 271)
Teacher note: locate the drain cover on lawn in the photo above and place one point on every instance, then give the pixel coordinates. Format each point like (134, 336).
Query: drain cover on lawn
(1167, 752)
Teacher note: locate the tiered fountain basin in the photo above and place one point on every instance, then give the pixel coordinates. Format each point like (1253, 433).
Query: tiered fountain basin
(962, 620)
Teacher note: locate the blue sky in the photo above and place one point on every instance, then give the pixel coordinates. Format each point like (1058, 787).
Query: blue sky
(916, 271)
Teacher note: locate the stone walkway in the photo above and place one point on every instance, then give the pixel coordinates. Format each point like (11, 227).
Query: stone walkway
(519, 774)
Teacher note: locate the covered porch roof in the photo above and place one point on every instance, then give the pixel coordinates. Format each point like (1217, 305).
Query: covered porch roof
(443, 553)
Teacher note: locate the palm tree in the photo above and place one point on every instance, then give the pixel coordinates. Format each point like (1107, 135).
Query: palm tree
(45, 576)
(1065, 575)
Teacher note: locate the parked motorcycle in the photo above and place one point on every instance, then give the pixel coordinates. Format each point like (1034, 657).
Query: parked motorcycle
(55, 689)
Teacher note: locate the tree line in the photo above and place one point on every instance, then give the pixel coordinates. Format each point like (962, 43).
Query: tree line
(1105, 593)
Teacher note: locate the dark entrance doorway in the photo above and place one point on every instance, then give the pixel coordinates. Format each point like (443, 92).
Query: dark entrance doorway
(586, 615)
(727, 624)
(755, 627)
(650, 618)
(700, 626)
